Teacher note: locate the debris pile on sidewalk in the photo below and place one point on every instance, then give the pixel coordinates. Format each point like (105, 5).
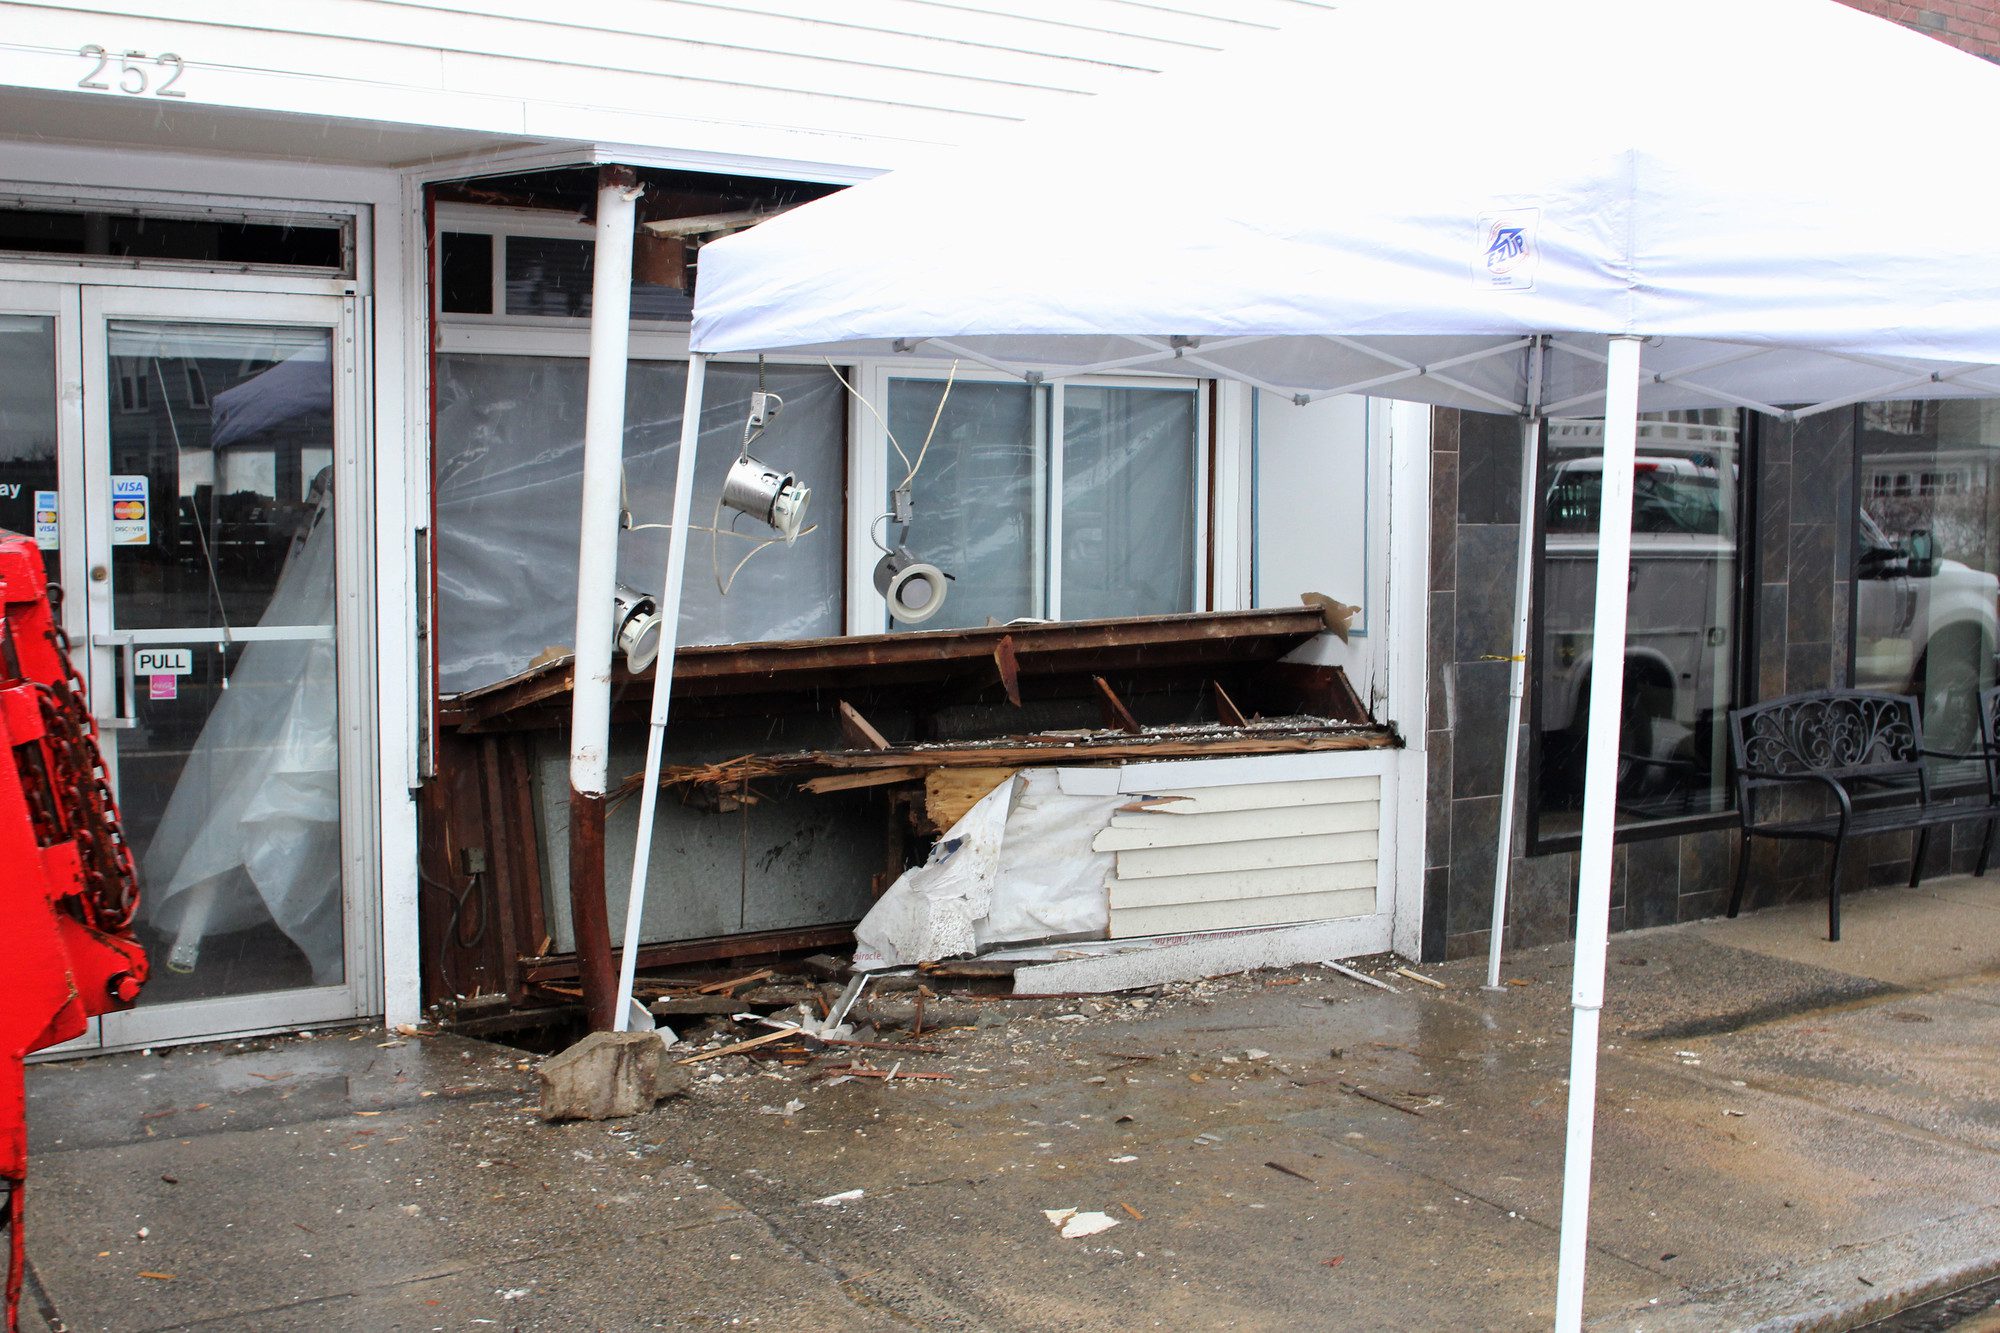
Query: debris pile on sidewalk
(813, 1024)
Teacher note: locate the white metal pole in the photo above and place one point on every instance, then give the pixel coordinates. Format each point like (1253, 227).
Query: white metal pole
(663, 675)
(597, 579)
(1600, 796)
(1524, 554)
(603, 450)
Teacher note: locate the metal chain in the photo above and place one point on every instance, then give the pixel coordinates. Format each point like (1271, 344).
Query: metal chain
(82, 786)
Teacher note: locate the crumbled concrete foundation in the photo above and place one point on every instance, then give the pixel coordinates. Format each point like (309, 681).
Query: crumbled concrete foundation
(608, 1075)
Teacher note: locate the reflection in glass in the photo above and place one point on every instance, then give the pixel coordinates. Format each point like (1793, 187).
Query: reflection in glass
(28, 430)
(221, 440)
(1681, 626)
(1928, 545)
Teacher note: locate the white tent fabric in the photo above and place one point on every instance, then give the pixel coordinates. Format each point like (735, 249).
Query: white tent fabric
(1775, 195)
(1554, 206)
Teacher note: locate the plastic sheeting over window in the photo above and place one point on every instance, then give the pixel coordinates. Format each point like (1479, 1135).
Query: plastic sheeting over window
(510, 488)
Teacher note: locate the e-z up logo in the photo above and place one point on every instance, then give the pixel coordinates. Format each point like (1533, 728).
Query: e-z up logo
(1507, 253)
(1508, 246)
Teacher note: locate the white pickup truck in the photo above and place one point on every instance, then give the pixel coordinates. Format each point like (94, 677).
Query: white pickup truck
(1923, 625)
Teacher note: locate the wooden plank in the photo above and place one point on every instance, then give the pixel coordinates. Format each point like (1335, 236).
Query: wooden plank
(1025, 752)
(1099, 646)
(1117, 717)
(860, 733)
(878, 777)
(1297, 907)
(950, 792)
(1324, 850)
(1226, 710)
(1150, 829)
(1242, 885)
(1269, 795)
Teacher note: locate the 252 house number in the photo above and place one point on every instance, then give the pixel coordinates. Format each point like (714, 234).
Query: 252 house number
(136, 73)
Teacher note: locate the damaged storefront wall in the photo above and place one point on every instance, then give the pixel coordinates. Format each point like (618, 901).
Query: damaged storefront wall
(812, 774)
(809, 777)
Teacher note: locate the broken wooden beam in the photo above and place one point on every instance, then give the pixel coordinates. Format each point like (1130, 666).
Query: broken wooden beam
(950, 792)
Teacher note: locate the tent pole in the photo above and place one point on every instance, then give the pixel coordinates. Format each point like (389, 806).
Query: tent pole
(1600, 797)
(1524, 555)
(663, 674)
(618, 191)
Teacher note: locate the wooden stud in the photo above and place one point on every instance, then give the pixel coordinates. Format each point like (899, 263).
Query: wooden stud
(857, 729)
(1009, 667)
(1116, 715)
(1225, 707)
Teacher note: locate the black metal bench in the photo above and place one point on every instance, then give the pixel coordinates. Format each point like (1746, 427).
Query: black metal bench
(1864, 750)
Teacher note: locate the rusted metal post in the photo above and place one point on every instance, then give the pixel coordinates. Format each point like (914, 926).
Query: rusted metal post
(618, 191)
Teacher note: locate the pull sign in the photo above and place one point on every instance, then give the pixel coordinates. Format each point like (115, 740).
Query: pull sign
(162, 661)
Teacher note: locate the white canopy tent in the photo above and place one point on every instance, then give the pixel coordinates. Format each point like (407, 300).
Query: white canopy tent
(1552, 207)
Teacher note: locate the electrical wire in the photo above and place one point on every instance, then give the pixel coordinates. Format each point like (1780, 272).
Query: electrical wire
(936, 417)
(871, 410)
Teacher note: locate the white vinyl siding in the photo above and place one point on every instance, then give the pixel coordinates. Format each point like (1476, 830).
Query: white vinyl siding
(1245, 855)
(855, 84)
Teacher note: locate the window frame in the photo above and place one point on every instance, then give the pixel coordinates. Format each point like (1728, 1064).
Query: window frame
(1742, 662)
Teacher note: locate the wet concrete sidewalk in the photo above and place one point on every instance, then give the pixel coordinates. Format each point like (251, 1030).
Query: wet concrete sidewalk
(1791, 1132)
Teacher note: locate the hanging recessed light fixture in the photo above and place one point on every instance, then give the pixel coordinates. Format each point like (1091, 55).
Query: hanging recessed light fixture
(913, 588)
(770, 495)
(637, 627)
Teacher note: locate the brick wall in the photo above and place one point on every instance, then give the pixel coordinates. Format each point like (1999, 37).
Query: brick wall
(1969, 25)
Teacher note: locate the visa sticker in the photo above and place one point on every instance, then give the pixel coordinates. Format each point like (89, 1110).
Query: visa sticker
(130, 500)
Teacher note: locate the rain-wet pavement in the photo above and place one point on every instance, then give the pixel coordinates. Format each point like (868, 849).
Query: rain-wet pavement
(1791, 1133)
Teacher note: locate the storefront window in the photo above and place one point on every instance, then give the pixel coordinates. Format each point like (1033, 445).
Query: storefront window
(1927, 548)
(1683, 622)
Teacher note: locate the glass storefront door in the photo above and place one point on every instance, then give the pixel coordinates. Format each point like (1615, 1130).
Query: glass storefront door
(196, 512)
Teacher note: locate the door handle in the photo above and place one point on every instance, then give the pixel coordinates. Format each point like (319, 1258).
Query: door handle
(123, 715)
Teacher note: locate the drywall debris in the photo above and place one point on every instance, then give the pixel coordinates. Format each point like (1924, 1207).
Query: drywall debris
(1076, 1225)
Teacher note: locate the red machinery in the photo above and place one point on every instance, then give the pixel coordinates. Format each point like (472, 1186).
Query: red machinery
(67, 885)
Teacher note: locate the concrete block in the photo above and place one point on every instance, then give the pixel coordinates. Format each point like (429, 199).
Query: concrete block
(608, 1075)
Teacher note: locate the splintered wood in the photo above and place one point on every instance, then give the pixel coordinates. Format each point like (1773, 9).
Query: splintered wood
(950, 792)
